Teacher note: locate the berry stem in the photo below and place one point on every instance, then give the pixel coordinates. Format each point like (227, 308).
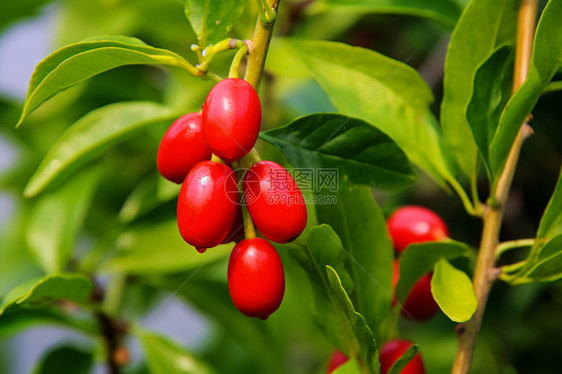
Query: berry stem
(249, 230)
(235, 66)
(493, 216)
(258, 47)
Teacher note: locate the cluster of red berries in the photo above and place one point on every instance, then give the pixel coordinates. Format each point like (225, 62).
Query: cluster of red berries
(408, 225)
(209, 204)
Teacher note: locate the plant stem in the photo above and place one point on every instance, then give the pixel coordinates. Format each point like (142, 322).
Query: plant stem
(484, 275)
(258, 49)
(512, 244)
(235, 66)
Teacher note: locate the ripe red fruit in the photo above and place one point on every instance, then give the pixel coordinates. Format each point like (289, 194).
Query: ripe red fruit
(419, 304)
(274, 201)
(181, 148)
(415, 224)
(392, 350)
(231, 119)
(337, 360)
(207, 204)
(256, 280)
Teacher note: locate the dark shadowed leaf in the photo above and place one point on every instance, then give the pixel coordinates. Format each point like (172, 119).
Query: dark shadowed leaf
(361, 153)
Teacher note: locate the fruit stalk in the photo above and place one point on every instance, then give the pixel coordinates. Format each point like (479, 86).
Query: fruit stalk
(258, 49)
(484, 274)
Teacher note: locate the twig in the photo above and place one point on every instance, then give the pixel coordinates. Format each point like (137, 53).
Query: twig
(493, 216)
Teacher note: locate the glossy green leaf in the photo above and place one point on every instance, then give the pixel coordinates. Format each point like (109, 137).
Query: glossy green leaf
(444, 11)
(72, 287)
(488, 98)
(362, 346)
(65, 359)
(404, 360)
(545, 62)
(367, 249)
(57, 219)
(551, 222)
(386, 93)
(77, 62)
(484, 25)
(158, 248)
(93, 133)
(544, 264)
(361, 153)
(452, 290)
(167, 357)
(419, 259)
(323, 248)
(213, 20)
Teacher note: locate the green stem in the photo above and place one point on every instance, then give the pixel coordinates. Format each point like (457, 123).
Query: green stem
(512, 244)
(552, 86)
(258, 47)
(473, 210)
(484, 274)
(249, 230)
(235, 66)
(266, 12)
(114, 294)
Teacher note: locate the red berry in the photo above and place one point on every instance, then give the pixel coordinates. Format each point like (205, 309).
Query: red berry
(256, 280)
(274, 201)
(231, 119)
(419, 304)
(337, 360)
(181, 148)
(207, 204)
(415, 224)
(391, 351)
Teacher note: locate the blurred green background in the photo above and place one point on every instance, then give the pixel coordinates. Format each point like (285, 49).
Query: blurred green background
(119, 229)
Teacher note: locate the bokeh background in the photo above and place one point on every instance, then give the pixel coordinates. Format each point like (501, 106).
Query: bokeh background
(522, 331)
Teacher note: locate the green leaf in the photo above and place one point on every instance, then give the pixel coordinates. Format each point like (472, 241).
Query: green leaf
(446, 12)
(551, 222)
(361, 153)
(349, 367)
(488, 98)
(16, 320)
(12, 11)
(404, 360)
(149, 194)
(213, 20)
(65, 360)
(419, 259)
(453, 291)
(57, 219)
(484, 25)
(545, 62)
(92, 134)
(323, 248)
(77, 62)
(361, 343)
(544, 264)
(72, 287)
(158, 248)
(368, 253)
(386, 93)
(166, 357)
